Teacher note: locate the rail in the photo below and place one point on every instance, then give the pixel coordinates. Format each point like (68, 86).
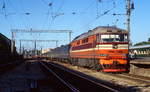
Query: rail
(76, 82)
(66, 85)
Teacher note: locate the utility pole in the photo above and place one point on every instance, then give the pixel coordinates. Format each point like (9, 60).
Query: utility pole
(12, 42)
(41, 51)
(128, 13)
(35, 52)
(70, 36)
(56, 43)
(20, 47)
(129, 7)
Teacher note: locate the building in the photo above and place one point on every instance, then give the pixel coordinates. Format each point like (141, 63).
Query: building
(46, 50)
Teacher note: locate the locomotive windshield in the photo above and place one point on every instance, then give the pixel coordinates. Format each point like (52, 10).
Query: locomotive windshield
(114, 38)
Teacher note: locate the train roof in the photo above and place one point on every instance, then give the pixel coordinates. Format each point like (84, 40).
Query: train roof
(101, 29)
(3, 37)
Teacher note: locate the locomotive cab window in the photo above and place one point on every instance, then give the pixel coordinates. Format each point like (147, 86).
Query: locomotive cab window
(114, 38)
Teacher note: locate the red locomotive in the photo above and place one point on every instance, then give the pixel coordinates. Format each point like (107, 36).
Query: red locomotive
(104, 48)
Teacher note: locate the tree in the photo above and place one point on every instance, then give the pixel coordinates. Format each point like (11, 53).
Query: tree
(141, 43)
(148, 39)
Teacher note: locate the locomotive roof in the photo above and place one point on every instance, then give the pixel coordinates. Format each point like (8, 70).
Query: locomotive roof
(101, 29)
(3, 37)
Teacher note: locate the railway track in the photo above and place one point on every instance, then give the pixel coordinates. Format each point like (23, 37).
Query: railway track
(131, 77)
(74, 82)
(62, 84)
(137, 78)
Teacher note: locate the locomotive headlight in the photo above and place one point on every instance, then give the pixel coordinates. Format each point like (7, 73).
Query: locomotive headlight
(103, 55)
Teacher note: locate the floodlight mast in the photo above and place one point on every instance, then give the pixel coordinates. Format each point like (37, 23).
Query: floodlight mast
(12, 42)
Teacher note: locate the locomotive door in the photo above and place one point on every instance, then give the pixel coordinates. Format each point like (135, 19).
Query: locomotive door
(94, 46)
(97, 41)
(97, 49)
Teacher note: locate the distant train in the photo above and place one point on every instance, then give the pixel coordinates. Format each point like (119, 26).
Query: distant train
(104, 48)
(5, 50)
(140, 51)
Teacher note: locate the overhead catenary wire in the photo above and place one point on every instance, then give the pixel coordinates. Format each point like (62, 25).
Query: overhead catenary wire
(57, 13)
(47, 16)
(106, 12)
(49, 12)
(15, 12)
(5, 12)
(83, 12)
(4, 8)
(27, 13)
(54, 14)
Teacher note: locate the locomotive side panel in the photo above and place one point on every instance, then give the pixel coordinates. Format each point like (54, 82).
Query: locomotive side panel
(85, 49)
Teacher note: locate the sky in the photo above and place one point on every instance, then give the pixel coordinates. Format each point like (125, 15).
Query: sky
(76, 15)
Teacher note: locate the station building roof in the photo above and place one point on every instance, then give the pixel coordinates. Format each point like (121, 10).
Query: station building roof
(140, 47)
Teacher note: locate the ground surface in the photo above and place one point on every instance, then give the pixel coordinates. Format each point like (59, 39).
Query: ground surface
(142, 60)
(23, 78)
(138, 86)
(140, 66)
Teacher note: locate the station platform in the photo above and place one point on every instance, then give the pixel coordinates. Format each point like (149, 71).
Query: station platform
(141, 60)
(26, 77)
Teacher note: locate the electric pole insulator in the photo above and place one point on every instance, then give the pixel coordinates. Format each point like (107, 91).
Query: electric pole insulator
(132, 6)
